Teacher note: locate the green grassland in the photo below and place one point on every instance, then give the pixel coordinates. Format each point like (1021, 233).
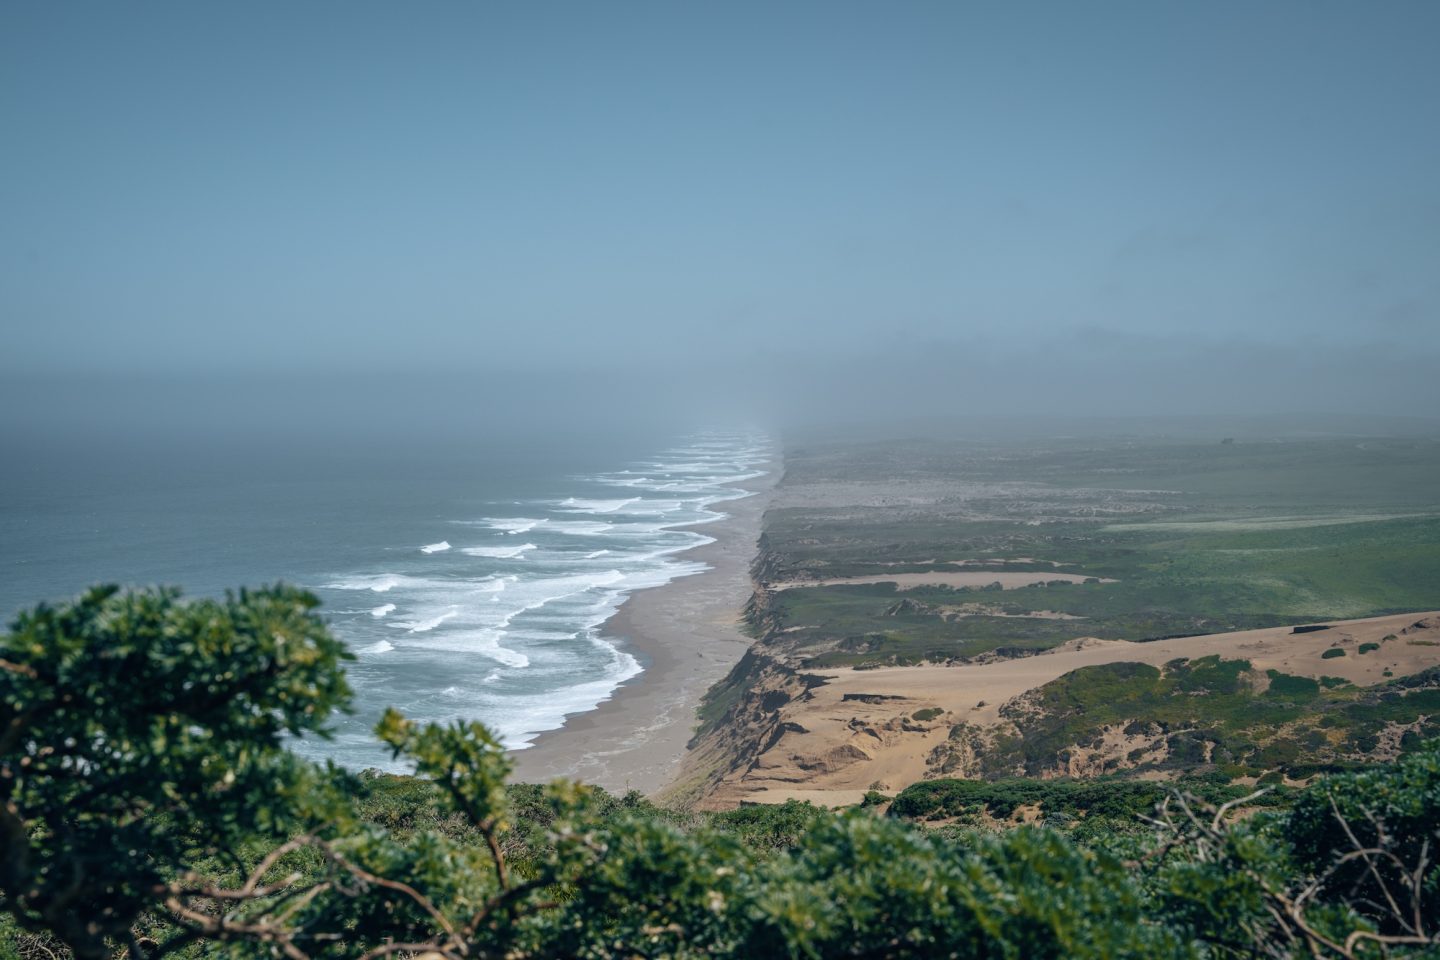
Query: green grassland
(1201, 537)
(1291, 469)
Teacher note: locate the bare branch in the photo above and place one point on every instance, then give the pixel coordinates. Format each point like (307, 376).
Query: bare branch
(366, 877)
(446, 951)
(497, 855)
(1289, 927)
(1369, 861)
(20, 668)
(1219, 822)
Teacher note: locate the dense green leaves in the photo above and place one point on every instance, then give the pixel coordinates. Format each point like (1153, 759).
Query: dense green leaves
(147, 793)
(136, 728)
(1115, 800)
(865, 887)
(1397, 810)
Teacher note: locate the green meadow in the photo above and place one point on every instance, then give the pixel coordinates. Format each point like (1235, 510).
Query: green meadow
(1199, 536)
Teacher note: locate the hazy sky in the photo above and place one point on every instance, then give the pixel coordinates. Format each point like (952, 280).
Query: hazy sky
(480, 187)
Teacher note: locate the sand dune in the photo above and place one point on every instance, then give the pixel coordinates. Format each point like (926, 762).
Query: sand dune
(858, 731)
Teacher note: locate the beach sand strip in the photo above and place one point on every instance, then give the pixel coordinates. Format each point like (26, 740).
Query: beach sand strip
(687, 634)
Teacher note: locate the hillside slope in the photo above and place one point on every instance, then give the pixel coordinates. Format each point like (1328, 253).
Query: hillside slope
(916, 606)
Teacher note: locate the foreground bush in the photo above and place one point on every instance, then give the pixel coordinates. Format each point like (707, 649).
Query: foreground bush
(148, 808)
(135, 729)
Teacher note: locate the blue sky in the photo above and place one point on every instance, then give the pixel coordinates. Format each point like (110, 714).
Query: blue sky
(475, 187)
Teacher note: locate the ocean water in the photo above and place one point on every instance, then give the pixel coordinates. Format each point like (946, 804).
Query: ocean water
(471, 580)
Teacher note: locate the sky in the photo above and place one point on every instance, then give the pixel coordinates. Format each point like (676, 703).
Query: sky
(1107, 204)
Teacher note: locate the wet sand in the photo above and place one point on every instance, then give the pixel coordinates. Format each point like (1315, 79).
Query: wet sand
(686, 634)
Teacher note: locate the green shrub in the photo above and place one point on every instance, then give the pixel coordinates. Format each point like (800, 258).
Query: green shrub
(1286, 685)
(135, 813)
(137, 727)
(1403, 800)
(1354, 857)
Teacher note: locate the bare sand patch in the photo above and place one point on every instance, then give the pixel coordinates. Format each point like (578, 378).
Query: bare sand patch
(1261, 523)
(874, 710)
(986, 610)
(1008, 579)
(995, 561)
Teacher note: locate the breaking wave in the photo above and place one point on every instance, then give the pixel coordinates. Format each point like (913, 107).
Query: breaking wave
(498, 553)
(511, 633)
(577, 505)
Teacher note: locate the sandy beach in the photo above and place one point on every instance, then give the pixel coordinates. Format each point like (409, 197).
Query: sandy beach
(687, 635)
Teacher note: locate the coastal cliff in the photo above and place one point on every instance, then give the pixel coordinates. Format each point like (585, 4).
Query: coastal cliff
(740, 716)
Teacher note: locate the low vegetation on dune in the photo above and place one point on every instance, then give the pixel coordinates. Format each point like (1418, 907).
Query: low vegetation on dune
(1167, 537)
(1002, 550)
(1207, 713)
(1144, 585)
(149, 808)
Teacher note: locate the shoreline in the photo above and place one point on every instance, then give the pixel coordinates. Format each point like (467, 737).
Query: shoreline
(687, 635)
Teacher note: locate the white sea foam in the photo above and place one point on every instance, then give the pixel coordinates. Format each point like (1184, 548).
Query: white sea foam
(582, 528)
(543, 635)
(626, 481)
(706, 467)
(540, 626)
(499, 553)
(528, 717)
(513, 525)
(440, 547)
(381, 610)
(667, 551)
(641, 531)
(534, 594)
(380, 583)
(653, 508)
(485, 643)
(577, 505)
(425, 626)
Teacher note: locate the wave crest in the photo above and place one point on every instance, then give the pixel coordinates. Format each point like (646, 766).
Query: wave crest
(498, 553)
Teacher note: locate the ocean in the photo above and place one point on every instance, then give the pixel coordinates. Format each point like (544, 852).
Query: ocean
(471, 580)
